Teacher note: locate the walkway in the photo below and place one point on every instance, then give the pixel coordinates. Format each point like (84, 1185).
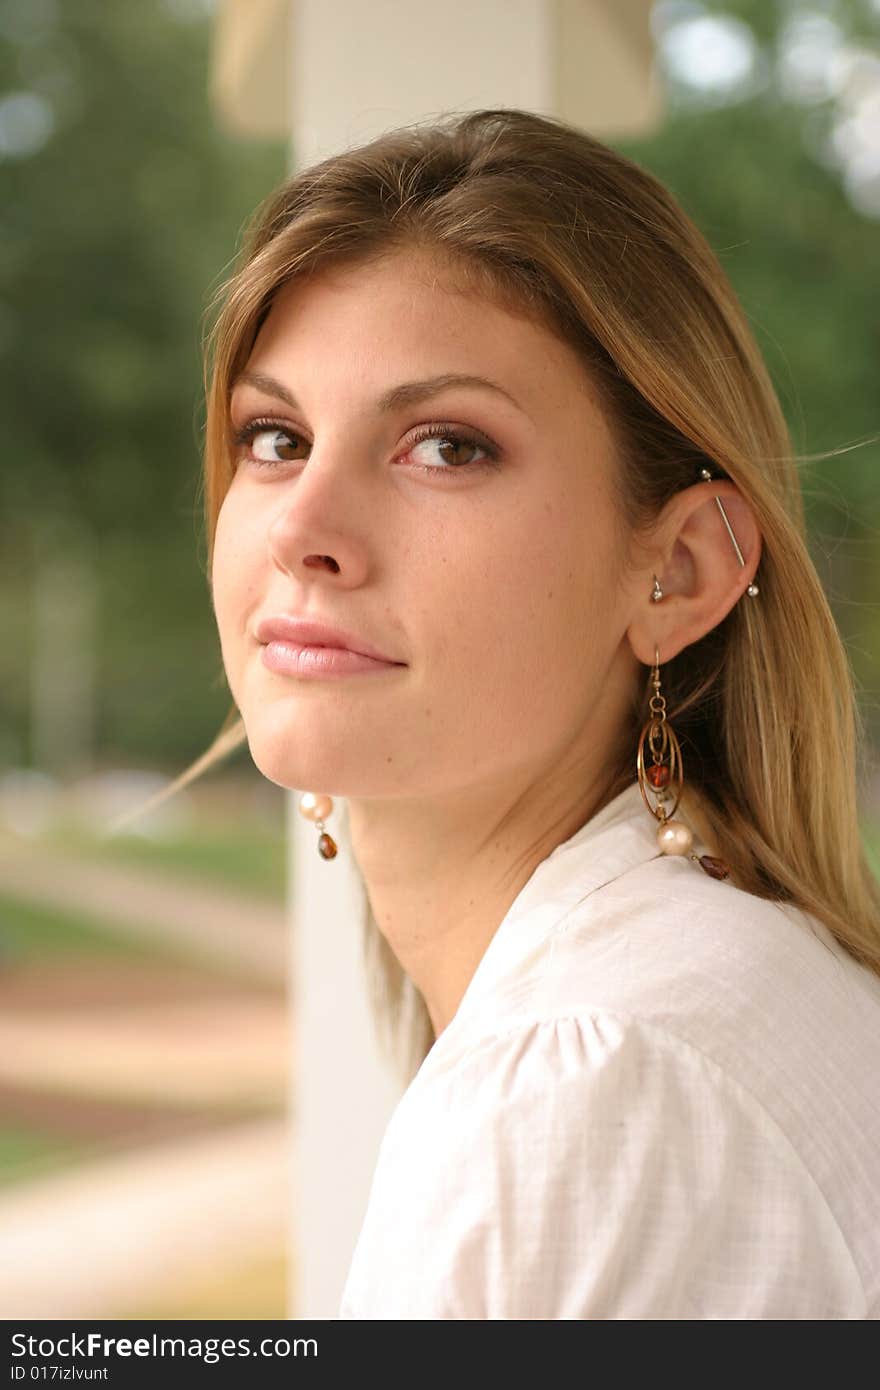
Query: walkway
(180, 1070)
(93, 1241)
(214, 924)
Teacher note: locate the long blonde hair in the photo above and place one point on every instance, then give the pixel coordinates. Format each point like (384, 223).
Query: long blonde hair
(549, 221)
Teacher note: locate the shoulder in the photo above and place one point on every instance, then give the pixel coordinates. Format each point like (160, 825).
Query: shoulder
(667, 987)
(594, 1166)
(760, 989)
(743, 979)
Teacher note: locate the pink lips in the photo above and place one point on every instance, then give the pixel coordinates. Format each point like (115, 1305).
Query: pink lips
(304, 647)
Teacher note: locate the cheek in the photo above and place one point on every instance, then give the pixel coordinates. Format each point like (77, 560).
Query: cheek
(527, 623)
(234, 570)
(223, 571)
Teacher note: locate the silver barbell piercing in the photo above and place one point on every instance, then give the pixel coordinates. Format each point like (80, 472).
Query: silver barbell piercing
(753, 589)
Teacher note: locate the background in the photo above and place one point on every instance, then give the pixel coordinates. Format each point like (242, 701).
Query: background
(143, 1045)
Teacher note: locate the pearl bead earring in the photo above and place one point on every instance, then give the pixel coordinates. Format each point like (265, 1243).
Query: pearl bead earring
(315, 808)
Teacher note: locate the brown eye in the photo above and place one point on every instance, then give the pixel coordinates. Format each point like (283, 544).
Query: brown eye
(273, 446)
(449, 441)
(451, 450)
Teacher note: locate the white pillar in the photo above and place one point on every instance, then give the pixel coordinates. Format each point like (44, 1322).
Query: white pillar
(336, 74)
(342, 1089)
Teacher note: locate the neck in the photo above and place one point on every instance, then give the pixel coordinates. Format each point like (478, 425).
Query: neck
(442, 874)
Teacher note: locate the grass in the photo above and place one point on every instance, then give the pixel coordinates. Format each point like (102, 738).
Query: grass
(242, 857)
(33, 932)
(26, 1153)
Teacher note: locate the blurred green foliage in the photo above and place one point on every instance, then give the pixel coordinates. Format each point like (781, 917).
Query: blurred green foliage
(246, 856)
(27, 1152)
(32, 931)
(803, 261)
(115, 234)
(119, 227)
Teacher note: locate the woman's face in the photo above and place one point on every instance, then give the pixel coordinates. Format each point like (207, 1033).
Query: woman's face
(490, 569)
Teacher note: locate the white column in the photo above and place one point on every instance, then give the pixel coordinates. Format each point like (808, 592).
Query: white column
(356, 68)
(342, 1090)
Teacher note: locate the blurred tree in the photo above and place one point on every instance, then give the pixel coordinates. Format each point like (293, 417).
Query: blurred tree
(123, 204)
(759, 167)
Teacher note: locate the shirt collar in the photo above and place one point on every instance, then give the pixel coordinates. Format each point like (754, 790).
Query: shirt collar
(619, 837)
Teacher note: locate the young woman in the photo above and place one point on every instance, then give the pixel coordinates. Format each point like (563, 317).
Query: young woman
(483, 407)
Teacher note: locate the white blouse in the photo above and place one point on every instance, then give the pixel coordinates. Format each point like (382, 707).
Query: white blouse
(659, 1098)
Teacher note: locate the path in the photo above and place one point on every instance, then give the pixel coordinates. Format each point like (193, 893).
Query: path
(170, 1049)
(93, 1240)
(216, 924)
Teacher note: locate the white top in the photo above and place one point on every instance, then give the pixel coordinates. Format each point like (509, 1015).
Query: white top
(659, 1098)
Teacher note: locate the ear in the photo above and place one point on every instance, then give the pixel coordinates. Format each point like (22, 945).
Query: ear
(698, 568)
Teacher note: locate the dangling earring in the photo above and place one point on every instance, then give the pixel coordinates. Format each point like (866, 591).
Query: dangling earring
(315, 808)
(673, 836)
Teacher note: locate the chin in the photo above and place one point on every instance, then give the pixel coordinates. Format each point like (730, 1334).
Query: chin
(279, 765)
(277, 753)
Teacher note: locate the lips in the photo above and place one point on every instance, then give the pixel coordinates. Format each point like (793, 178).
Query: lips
(307, 632)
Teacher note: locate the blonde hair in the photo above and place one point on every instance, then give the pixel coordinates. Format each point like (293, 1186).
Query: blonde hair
(550, 222)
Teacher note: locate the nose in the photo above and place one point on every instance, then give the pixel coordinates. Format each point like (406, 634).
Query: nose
(316, 561)
(320, 517)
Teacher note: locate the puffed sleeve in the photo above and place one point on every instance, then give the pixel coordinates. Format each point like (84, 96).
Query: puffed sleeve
(593, 1167)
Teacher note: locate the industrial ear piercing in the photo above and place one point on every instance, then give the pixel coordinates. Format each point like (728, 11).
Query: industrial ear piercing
(753, 589)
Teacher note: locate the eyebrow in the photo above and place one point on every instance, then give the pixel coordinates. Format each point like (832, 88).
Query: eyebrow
(406, 393)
